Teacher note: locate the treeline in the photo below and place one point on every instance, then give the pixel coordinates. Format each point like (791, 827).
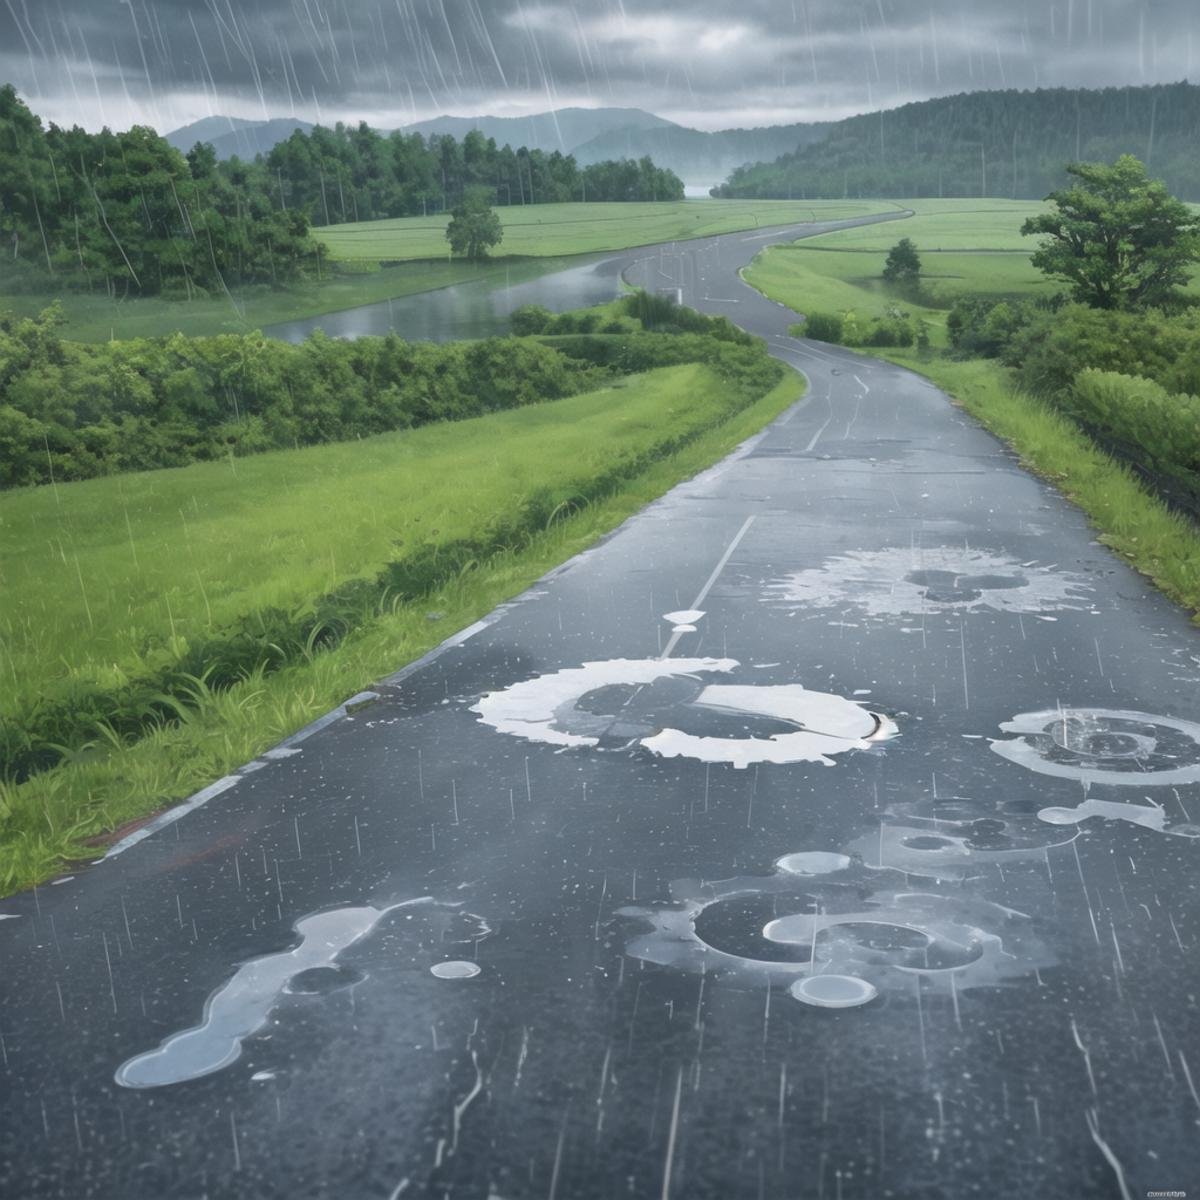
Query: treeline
(344, 174)
(1001, 143)
(127, 213)
(71, 411)
(1130, 379)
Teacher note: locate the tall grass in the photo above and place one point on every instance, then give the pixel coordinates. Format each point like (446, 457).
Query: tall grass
(666, 426)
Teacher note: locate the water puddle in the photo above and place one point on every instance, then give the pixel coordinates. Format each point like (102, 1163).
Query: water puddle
(907, 582)
(455, 970)
(834, 936)
(953, 838)
(668, 708)
(1149, 816)
(1117, 747)
(242, 1007)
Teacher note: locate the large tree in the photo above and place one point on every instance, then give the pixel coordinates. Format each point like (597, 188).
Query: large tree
(474, 228)
(1118, 237)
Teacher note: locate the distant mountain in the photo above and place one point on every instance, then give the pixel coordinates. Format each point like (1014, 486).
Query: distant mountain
(698, 157)
(592, 134)
(561, 130)
(231, 136)
(998, 143)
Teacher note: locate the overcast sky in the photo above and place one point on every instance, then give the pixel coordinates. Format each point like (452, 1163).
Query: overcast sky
(708, 63)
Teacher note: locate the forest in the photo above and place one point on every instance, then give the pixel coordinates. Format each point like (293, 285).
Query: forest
(128, 214)
(1000, 143)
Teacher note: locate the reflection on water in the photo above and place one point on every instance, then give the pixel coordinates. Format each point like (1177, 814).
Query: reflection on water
(468, 310)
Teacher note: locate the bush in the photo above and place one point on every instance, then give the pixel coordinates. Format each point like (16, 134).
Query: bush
(1159, 432)
(1051, 350)
(530, 319)
(895, 329)
(823, 327)
(985, 326)
(72, 411)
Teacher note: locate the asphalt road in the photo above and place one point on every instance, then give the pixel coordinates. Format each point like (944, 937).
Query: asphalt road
(827, 831)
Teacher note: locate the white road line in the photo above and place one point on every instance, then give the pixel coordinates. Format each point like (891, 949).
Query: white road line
(712, 580)
(816, 437)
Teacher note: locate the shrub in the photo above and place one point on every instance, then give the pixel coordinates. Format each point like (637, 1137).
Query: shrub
(1051, 350)
(530, 319)
(823, 327)
(985, 326)
(1156, 430)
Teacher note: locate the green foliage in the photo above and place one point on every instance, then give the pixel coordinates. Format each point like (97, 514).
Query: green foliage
(995, 143)
(474, 228)
(1146, 425)
(345, 174)
(126, 213)
(823, 327)
(75, 411)
(1119, 238)
(530, 319)
(385, 486)
(661, 313)
(894, 328)
(147, 657)
(1049, 352)
(985, 326)
(903, 266)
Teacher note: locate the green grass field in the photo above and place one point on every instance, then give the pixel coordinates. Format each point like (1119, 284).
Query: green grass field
(966, 246)
(106, 578)
(541, 230)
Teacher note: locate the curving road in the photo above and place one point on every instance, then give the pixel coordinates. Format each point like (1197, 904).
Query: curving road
(827, 831)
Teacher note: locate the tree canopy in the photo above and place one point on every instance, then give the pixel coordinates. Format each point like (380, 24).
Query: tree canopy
(1118, 237)
(903, 265)
(995, 143)
(474, 227)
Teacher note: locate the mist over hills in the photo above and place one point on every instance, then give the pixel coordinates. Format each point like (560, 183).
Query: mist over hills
(592, 135)
(563, 129)
(231, 136)
(698, 157)
(999, 143)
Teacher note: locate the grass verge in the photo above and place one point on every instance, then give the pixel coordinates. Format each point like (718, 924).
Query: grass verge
(48, 820)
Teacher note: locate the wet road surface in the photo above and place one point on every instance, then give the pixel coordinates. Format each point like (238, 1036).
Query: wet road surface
(830, 830)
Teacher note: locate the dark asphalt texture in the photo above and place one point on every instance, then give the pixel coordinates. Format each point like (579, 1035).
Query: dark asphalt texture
(655, 938)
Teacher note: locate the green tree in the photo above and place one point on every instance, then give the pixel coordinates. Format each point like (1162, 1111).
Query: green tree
(1118, 237)
(474, 228)
(903, 264)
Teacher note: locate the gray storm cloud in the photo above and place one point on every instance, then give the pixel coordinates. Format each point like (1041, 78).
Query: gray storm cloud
(708, 63)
